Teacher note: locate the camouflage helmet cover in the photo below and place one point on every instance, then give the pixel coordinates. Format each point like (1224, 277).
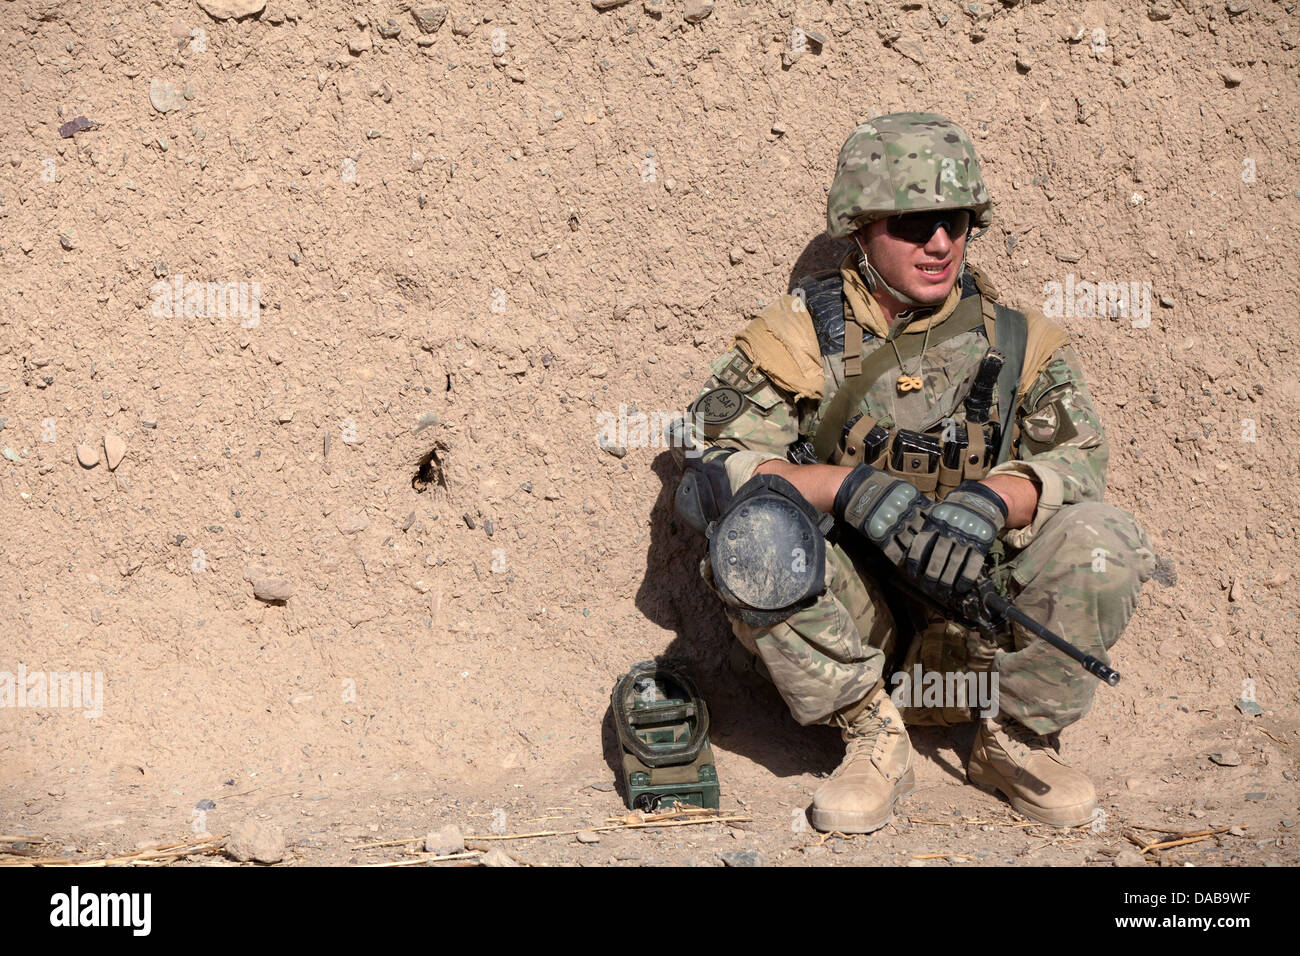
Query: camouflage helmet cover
(905, 162)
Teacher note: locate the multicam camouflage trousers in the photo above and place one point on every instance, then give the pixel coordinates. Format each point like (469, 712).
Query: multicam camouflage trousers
(1080, 576)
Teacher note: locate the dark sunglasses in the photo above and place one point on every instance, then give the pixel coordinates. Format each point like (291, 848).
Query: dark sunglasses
(920, 226)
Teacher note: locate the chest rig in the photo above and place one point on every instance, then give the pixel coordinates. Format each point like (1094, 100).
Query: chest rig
(937, 461)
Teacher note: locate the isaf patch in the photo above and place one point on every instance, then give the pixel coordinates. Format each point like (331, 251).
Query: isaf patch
(718, 406)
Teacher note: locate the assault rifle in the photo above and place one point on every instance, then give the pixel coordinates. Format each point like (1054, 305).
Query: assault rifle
(983, 609)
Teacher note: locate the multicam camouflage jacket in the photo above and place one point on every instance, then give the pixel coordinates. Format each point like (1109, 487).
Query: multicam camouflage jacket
(1059, 443)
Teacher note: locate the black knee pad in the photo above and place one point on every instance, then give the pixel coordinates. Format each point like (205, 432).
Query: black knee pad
(768, 551)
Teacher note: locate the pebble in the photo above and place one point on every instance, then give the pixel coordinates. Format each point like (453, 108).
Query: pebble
(469, 521)
(1257, 796)
(1236, 7)
(429, 19)
(353, 522)
(359, 44)
(426, 420)
(252, 840)
(114, 450)
(736, 254)
(618, 451)
(87, 456)
(446, 841)
(205, 804)
(231, 9)
(587, 836)
(1166, 302)
(1228, 758)
(1230, 76)
(497, 857)
(272, 589)
(390, 29)
(164, 97)
(607, 4)
(697, 10)
(741, 858)
(1249, 708)
(1129, 857)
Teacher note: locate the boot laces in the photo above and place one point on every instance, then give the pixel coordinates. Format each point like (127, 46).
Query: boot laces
(864, 732)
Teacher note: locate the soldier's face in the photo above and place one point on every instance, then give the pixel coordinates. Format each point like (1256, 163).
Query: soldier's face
(925, 270)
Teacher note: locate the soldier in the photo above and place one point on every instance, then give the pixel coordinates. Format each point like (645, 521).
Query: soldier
(853, 397)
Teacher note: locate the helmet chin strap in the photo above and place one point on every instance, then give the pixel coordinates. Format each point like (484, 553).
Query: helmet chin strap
(875, 280)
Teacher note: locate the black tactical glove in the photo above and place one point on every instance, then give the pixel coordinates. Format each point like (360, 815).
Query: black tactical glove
(947, 555)
(888, 511)
(705, 491)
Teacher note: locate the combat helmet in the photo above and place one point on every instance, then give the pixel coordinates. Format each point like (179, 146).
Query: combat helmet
(901, 163)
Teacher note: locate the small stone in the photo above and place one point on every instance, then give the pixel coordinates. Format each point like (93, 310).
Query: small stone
(427, 420)
(164, 97)
(1159, 11)
(607, 4)
(741, 858)
(429, 19)
(1237, 7)
(285, 416)
(445, 842)
(697, 10)
(1258, 795)
(778, 129)
(277, 590)
(252, 840)
(114, 450)
(65, 241)
(390, 29)
(87, 455)
(1237, 831)
(231, 9)
(359, 44)
(1129, 857)
(736, 254)
(1166, 302)
(1249, 708)
(497, 857)
(353, 522)
(1227, 758)
(469, 521)
(408, 521)
(618, 451)
(489, 527)
(205, 804)
(587, 836)
(1230, 76)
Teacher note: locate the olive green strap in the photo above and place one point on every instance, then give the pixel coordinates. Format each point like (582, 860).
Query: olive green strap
(1011, 329)
(968, 315)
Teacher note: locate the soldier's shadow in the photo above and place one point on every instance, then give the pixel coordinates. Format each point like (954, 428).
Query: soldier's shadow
(748, 716)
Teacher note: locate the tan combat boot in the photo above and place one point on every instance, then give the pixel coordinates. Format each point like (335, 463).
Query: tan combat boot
(876, 773)
(1021, 765)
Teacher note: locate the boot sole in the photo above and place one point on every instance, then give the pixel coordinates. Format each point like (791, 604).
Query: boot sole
(844, 821)
(1053, 816)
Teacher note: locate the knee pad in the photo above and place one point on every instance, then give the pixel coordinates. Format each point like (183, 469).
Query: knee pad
(768, 551)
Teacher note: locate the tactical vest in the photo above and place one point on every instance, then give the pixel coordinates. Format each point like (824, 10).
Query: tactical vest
(935, 462)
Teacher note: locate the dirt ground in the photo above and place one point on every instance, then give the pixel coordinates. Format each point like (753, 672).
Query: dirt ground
(471, 243)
